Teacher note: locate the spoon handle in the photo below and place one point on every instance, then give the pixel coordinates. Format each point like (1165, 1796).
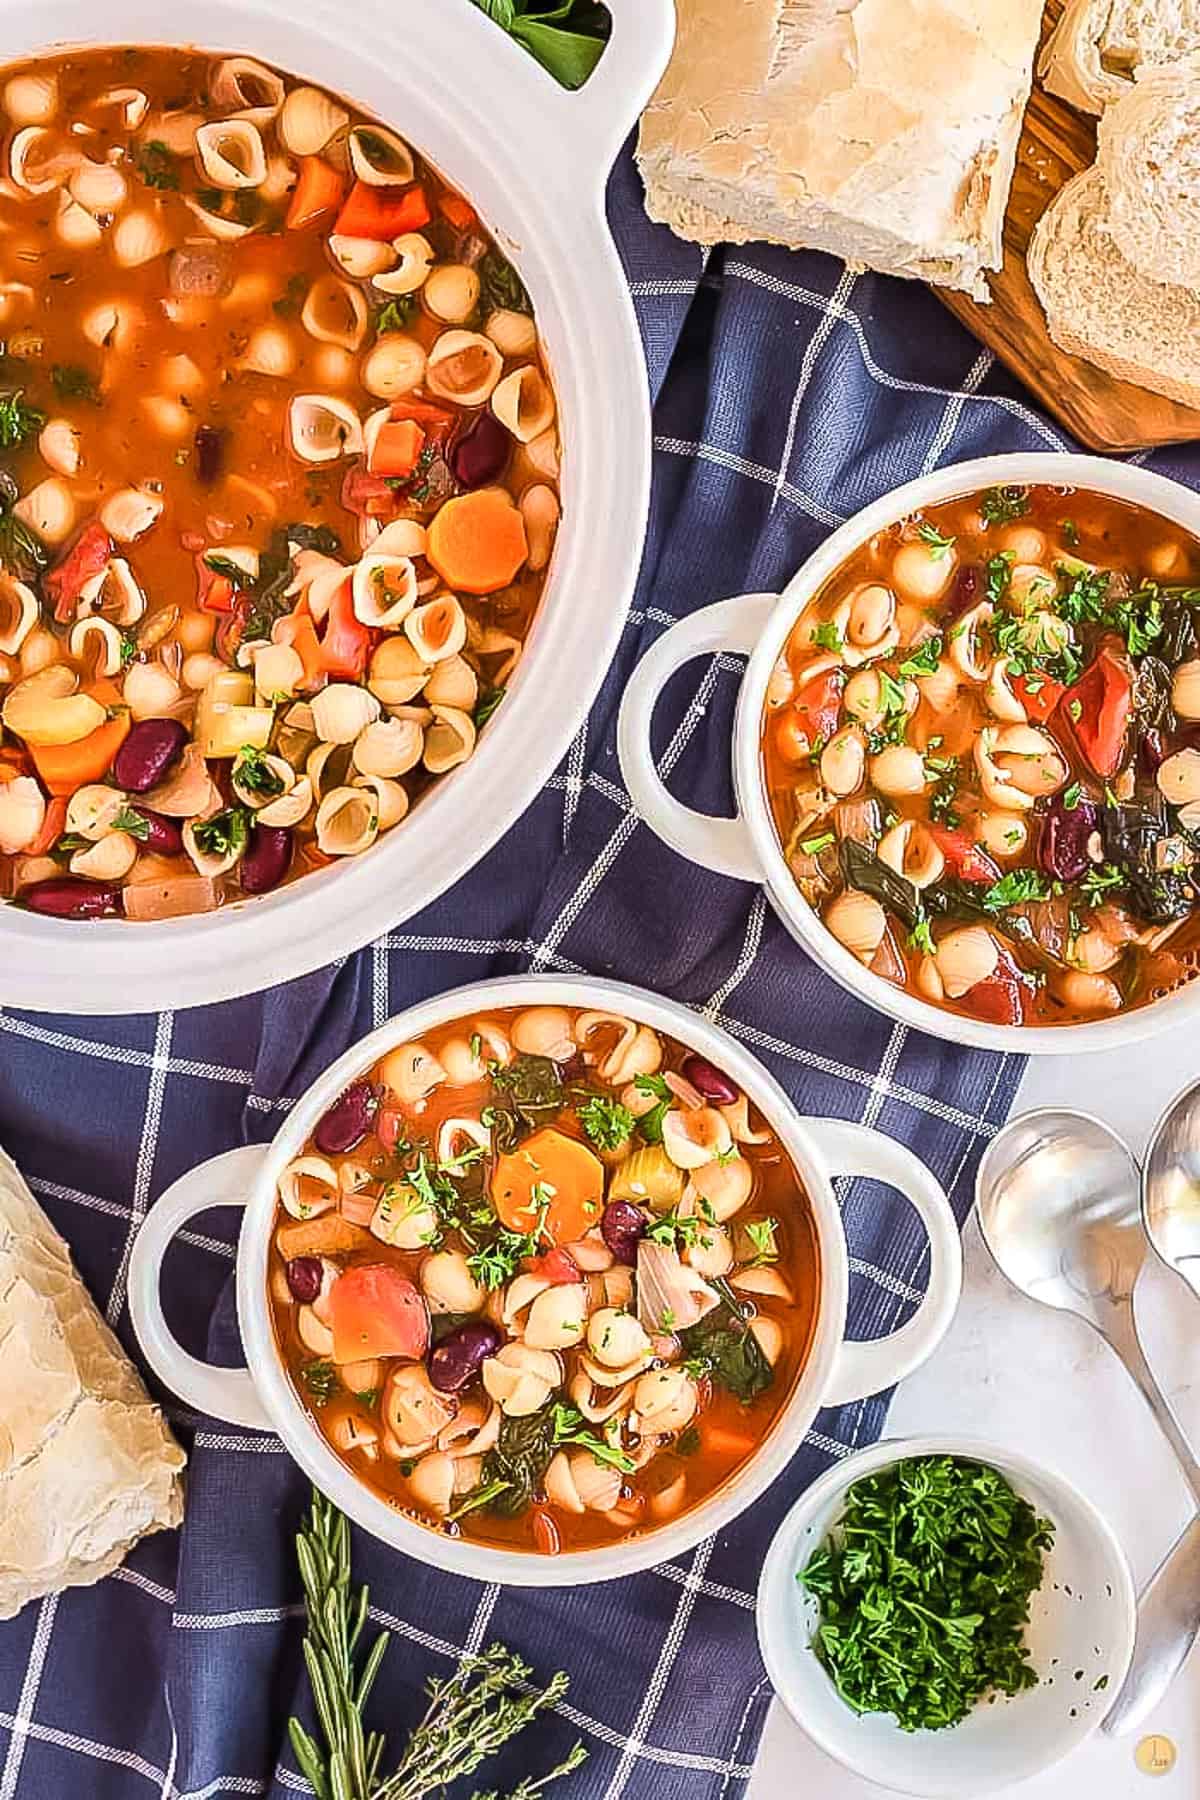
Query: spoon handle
(1121, 1333)
(1168, 1620)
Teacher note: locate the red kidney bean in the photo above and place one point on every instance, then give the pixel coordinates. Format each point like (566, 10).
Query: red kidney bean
(210, 454)
(164, 837)
(150, 751)
(967, 589)
(708, 1080)
(479, 456)
(70, 897)
(622, 1227)
(460, 1355)
(267, 859)
(348, 1120)
(304, 1275)
(1065, 836)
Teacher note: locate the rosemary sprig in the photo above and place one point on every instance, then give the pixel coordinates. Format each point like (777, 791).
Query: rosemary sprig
(471, 1715)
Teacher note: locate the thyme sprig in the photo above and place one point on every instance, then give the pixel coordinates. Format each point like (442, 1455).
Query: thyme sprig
(471, 1715)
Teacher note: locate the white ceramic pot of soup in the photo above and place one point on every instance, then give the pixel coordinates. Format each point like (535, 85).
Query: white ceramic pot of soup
(359, 355)
(545, 1280)
(965, 752)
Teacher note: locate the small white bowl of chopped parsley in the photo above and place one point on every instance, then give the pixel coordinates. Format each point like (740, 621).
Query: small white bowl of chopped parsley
(944, 1616)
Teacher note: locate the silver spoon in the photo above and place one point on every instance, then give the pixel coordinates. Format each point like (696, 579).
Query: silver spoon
(1169, 1604)
(1057, 1194)
(1057, 1200)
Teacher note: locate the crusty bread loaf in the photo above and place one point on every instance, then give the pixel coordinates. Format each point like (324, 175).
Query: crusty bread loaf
(1149, 156)
(1098, 45)
(884, 131)
(1097, 305)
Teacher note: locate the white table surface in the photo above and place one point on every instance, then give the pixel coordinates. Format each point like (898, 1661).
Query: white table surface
(1023, 1375)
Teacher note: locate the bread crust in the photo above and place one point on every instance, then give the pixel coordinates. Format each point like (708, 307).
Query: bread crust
(883, 131)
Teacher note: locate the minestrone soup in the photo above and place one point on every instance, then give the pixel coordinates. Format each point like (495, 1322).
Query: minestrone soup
(982, 751)
(278, 480)
(543, 1279)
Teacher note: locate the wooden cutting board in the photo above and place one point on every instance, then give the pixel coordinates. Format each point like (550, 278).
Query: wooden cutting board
(1103, 414)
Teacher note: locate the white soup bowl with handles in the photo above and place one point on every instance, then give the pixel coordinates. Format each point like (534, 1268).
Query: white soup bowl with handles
(837, 1370)
(747, 847)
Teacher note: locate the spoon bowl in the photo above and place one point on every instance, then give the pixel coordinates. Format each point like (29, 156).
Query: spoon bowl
(1171, 1187)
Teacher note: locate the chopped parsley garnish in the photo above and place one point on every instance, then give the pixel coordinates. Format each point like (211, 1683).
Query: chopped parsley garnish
(939, 546)
(500, 287)
(1071, 796)
(827, 636)
(606, 1121)
(18, 421)
(395, 316)
(320, 1378)
(677, 1231)
(1098, 883)
(1017, 888)
(71, 382)
(134, 824)
(999, 573)
(923, 661)
(1001, 505)
(292, 298)
(1084, 601)
(157, 165)
(921, 937)
(813, 846)
(650, 1122)
(252, 771)
(129, 648)
(487, 704)
(1139, 619)
(568, 1427)
(1070, 531)
(225, 834)
(760, 1234)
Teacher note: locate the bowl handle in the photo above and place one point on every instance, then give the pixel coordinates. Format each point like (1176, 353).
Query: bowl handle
(722, 845)
(224, 1393)
(598, 116)
(869, 1367)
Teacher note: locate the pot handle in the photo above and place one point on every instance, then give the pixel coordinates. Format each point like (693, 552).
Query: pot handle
(597, 116)
(224, 1393)
(868, 1368)
(722, 845)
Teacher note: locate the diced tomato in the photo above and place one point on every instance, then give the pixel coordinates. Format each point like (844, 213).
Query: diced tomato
(557, 1267)
(818, 705)
(214, 592)
(435, 421)
(317, 193)
(389, 1127)
(396, 448)
(459, 212)
(374, 1310)
(1099, 707)
(965, 857)
(367, 496)
(345, 641)
(86, 557)
(1038, 694)
(381, 213)
(997, 1000)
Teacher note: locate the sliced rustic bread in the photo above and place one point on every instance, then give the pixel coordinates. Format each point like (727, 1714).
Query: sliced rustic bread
(884, 131)
(1097, 305)
(1149, 156)
(1098, 46)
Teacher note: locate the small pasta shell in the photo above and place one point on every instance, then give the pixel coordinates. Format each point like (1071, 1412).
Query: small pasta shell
(18, 613)
(858, 922)
(463, 366)
(389, 747)
(99, 186)
(75, 226)
(298, 1182)
(231, 155)
(58, 445)
(109, 860)
(309, 119)
(416, 256)
(397, 673)
(225, 230)
(513, 333)
(451, 292)
(16, 297)
(363, 258)
(49, 510)
(151, 691)
(347, 822)
(112, 325)
(129, 514)
(391, 798)
(31, 99)
(114, 593)
(321, 428)
(290, 808)
(542, 454)
(278, 671)
(912, 851)
(22, 814)
(138, 237)
(380, 158)
(130, 102)
(450, 740)
(438, 629)
(35, 163)
(269, 351)
(394, 366)
(341, 711)
(403, 537)
(92, 811)
(524, 403)
(965, 957)
(540, 511)
(453, 683)
(283, 772)
(335, 313)
(241, 85)
(384, 590)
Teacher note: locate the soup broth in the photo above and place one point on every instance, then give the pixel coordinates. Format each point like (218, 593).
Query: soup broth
(278, 480)
(542, 1279)
(982, 752)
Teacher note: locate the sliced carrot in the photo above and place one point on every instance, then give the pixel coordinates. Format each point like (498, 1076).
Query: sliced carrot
(65, 767)
(380, 213)
(317, 193)
(549, 1177)
(298, 630)
(53, 826)
(345, 641)
(460, 212)
(477, 542)
(396, 448)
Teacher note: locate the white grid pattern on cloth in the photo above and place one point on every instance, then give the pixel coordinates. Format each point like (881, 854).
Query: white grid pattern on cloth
(881, 1085)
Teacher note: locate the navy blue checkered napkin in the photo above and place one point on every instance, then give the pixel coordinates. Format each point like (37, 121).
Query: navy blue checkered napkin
(789, 393)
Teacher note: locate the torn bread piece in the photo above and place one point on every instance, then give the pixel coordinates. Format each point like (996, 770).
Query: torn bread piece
(883, 131)
(87, 1464)
(1097, 305)
(1098, 46)
(1149, 156)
